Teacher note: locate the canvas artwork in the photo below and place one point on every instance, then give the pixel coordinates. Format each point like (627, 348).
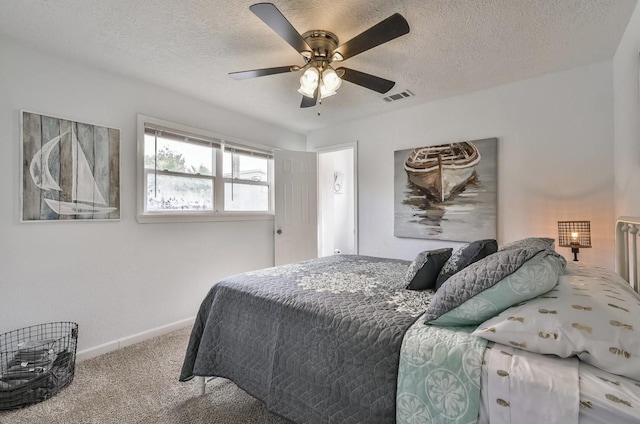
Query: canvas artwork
(447, 192)
(70, 170)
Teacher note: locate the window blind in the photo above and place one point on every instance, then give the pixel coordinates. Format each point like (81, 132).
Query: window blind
(183, 137)
(186, 137)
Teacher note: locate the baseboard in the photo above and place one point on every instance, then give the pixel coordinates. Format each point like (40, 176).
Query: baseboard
(129, 340)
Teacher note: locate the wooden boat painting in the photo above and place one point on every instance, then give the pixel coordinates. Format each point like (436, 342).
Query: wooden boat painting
(447, 192)
(443, 170)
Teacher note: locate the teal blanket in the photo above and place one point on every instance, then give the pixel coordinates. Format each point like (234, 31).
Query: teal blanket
(439, 375)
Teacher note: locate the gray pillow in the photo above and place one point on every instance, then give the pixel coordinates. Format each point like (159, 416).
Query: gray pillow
(424, 270)
(535, 242)
(465, 256)
(472, 290)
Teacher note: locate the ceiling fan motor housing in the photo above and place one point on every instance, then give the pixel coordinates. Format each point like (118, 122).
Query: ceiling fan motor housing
(322, 42)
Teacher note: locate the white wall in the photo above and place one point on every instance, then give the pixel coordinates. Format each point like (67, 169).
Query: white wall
(626, 70)
(555, 157)
(115, 279)
(120, 278)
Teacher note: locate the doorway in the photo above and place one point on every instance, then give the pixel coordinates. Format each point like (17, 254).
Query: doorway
(337, 200)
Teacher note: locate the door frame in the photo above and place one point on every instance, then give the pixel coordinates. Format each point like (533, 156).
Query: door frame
(334, 148)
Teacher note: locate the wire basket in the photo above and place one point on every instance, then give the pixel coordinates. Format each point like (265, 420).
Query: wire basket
(36, 362)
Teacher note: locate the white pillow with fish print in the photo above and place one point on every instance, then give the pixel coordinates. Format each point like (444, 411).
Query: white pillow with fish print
(592, 313)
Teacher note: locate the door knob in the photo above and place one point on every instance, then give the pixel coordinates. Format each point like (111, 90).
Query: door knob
(279, 231)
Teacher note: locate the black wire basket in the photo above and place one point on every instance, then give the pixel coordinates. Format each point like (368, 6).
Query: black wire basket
(36, 362)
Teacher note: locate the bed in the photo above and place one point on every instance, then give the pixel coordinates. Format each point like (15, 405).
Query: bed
(516, 333)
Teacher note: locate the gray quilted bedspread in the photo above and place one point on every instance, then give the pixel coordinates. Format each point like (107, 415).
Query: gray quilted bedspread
(317, 341)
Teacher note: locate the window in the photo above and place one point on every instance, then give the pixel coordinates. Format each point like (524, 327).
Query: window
(191, 175)
(179, 173)
(246, 181)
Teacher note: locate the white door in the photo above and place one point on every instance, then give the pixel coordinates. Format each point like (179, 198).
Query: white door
(296, 206)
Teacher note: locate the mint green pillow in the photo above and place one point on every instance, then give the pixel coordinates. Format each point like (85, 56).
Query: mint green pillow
(536, 276)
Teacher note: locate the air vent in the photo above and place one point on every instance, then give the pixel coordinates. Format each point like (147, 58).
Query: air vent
(398, 96)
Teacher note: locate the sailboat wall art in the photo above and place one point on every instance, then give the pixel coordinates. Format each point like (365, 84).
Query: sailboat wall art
(447, 192)
(70, 170)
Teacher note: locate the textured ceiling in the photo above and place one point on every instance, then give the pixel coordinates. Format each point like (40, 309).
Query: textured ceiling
(454, 47)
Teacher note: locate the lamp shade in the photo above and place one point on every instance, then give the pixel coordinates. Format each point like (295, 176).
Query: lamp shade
(305, 92)
(309, 79)
(324, 92)
(574, 234)
(331, 80)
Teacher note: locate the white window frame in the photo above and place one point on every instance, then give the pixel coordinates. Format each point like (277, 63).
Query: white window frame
(218, 214)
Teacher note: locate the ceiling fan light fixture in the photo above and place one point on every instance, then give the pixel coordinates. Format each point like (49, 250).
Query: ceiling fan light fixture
(305, 92)
(309, 79)
(331, 80)
(337, 57)
(325, 92)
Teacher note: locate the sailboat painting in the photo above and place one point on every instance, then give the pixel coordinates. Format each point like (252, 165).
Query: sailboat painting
(70, 170)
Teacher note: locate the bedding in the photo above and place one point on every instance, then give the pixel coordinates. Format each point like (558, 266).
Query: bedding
(566, 390)
(424, 269)
(341, 340)
(533, 242)
(465, 256)
(493, 284)
(439, 375)
(607, 399)
(518, 383)
(592, 314)
(317, 341)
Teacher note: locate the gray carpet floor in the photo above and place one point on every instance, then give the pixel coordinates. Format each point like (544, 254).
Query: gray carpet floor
(139, 384)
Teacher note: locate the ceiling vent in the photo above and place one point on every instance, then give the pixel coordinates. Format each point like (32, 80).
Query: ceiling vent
(398, 96)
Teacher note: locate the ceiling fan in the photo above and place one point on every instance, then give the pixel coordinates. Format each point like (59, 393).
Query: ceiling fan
(320, 50)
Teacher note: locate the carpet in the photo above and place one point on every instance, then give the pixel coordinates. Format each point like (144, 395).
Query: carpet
(139, 384)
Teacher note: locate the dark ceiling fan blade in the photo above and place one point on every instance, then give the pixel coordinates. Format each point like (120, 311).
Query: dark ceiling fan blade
(392, 27)
(371, 82)
(310, 101)
(263, 72)
(271, 16)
